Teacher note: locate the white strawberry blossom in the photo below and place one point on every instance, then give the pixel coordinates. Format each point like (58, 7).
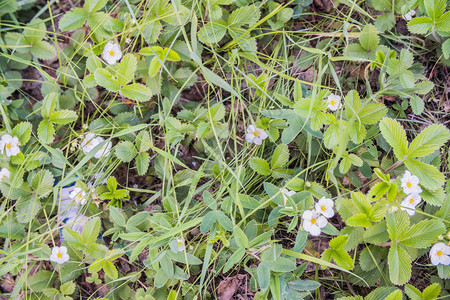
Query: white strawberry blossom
(111, 53)
(440, 254)
(313, 222)
(9, 145)
(410, 202)
(409, 15)
(334, 102)
(4, 173)
(59, 255)
(410, 184)
(255, 135)
(325, 207)
(180, 244)
(78, 195)
(286, 193)
(104, 150)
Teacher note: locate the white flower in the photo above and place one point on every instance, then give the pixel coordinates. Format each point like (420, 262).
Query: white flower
(104, 150)
(285, 193)
(255, 135)
(313, 222)
(78, 195)
(89, 142)
(59, 255)
(410, 203)
(334, 102)
(180, 245)
(409, 15)
(4, 173)
(440, 254)
(111, 53)
(325, 207)
(10, 145)
(410, 184)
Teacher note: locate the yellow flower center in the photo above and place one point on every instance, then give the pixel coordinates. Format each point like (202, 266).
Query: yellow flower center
(411, 200)
(59, 255)
(79, 196)
(179, 243)
(408, 184)
(8, 146)
(332, 102)
(439, 253)
(313, 221)
(256, 133)
(323, 208)
(111, 53)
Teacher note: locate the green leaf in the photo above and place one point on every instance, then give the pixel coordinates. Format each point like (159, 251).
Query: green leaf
(369, 39)
(241, 238)
(46, 132)
(67, 288)
(116, 216)
(137, 92)
(360, 220)
(420, 25)
(423, 234)
(126, 69)
(412, 292)
(303, 285)
(399, 265)
(395, 295)
(397, 225)
(213, 32)
(443, 23)
(234, 259)
(446, 48)
(49, 104)
(34, 31)
(91, 230)
(395, 135)
(143, 141)
(63, 117)
(260, 166)
(246, 15)
(432, 291)
(435, 8)
(106, 80)
(417, 104)
(339, 242)
(372, 113)
(340, 257)
(42, 183)
(125, 151)
(429, 140)
(23, 132)
(280, 156)
(94, 5)
(376, 234)
(43, 50)
(73, 19)
(263, 273)
(385, 22)
(428, 175)
(142, 163)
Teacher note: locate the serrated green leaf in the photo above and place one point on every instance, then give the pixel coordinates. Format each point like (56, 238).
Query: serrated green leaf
(260, 166)
(429, 140)
(126, 69)
(137, 92)
(372, 113)
(106, 80)
(399, 263)
(395, 135)
(43, 50)
(142, 163)
(420, 25)
(62, 117)
(280, 156)
(213, 32)
(423, 234)
(417, 104)
(46, 132)
(73, 19)
(246, 15)
(42, 183)
(369, 39)
(94, 5)
(23, 132)
(125, 151)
